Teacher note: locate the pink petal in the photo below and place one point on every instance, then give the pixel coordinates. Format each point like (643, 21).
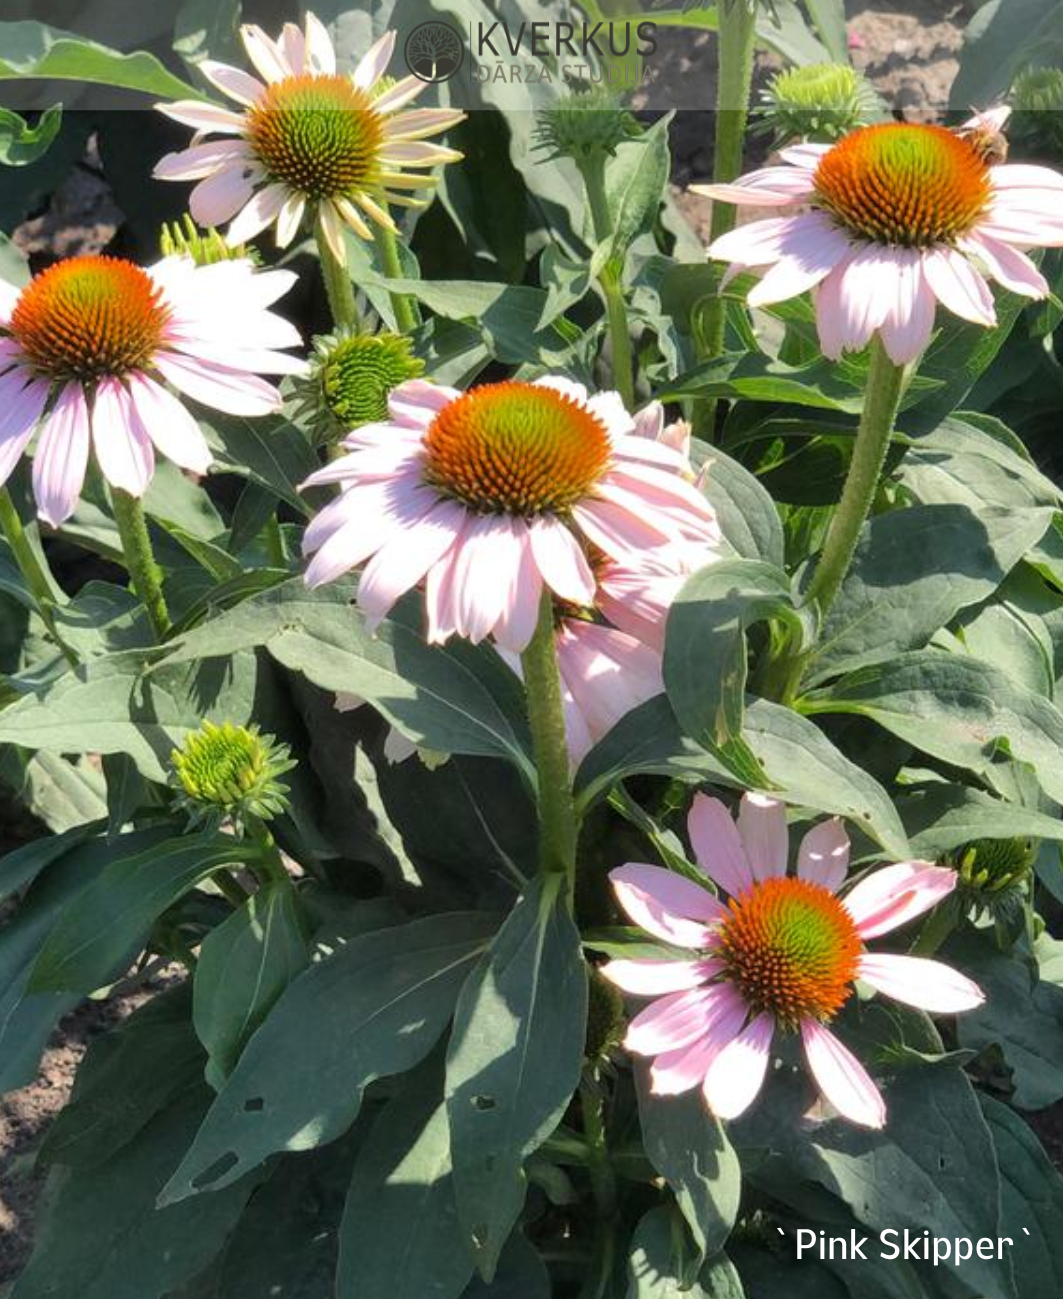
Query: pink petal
(417, 402)
(292, 46)
(618, 529)
(262, 209)
(958, 286)
(606, 672)
(675, 1072)
(805, 155)
(520, 614)
(927, 985)
(402, 92)
(909, 319)
(201, 160)
(62, 457)
(481, 586)
(653, 978)
(320, 54)
(439, 597)
(823, 857)
(421, 530)
(226, 390)
(609, 407)
(21, 406)
(1026, 176)
(666, 905)
(234, 82)
(374, 64)
(420, 123)
(9, 295)
(1007, 265)
(264, 53)
(736, 1075)
(768, 187)
(760, 243)
(218, 198)
(561, 562)
(765, 838)
(717, 845)
(123, 449)
(670, 1022)
(810, 252)
(853, 300)
(202, 116)
(173, 430)
(893, 895)
(841, 1077)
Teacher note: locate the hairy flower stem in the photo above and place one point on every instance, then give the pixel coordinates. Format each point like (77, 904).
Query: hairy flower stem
(735, 46)
(32, 571)
(144, 572)
(338, 286)
(401, 303)
(557, 811)
(885, 383)
(610, 280)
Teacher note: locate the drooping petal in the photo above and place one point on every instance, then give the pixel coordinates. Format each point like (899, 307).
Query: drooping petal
(1007, 265)
(675, 1072)
(202, 116)
(909, 319)
(823, 857)
(666, 905)
(218, 198)
(958, 286)
(654, 978)
(561, 561)
(718, 846)
(173, 430)
(893, 895)
(765, 839)
(916, 981)
(216, 386)
(516, 626)
(841, 1077)
(21, 406)
(736, 1075)
(62, 457)
(810, 252)
(853, 300)
(479, 589)
(768, 187)
(670, 1022)
(201, 160)
(420, 530)
(123, 449)
(258, 213)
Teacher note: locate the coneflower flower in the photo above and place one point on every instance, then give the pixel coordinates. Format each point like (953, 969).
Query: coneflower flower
(780, 956)
(890, 221)
(487, 495)
(90, 348)
(305, 135)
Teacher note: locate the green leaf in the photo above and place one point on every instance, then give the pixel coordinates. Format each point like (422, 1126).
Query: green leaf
(101, 1235)
(635, 181)
(270, 452)
(940, 817)
(754, 377)
(1031, 1202)
(769, 1274)
(656, 1268)
(1022, 1014)
(19, 867)
(999, 39)
(33, 49)
(400, 1237)
(62, 794)
(804, 766)
(110, 706)
(954, 708)
(705, 653)
(746, 513)
(521, 1274)
(513, 1062)
(244, 966)
(932, 1167)
(690, 1150)
(98, 935)
(207, 29)
(127, 1077)
(373, 1008)
(913, 571)
(457, 698)
(20, 143)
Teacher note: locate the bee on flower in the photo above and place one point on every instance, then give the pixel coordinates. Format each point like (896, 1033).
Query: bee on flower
(93, 347)
(305, 136)
(890, 221)
(779, 956)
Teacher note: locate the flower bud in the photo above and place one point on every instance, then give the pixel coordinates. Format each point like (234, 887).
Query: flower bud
(205, 247)
(820, 102)
(584, 126)
(226, 774)
(350, 378)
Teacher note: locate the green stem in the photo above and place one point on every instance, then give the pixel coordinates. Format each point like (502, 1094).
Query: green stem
(610, 281)
(32, 570)
(338, 284)
(270, 869)
(885, 383)
(140, 559)
(557, 813)
(229, 887)
(735, 49)
(402, 303)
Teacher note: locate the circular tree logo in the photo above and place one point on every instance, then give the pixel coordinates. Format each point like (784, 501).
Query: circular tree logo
(434, 51)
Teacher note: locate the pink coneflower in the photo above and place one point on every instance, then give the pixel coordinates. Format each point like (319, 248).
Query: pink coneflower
(87, 347)
(306, 135)
(780, 956)
(486, 495)
(892, 220)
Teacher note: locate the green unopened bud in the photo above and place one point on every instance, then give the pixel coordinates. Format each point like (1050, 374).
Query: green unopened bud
(993, 882)
(584, 126)
(820, 102)
(205, 247)
(1036, 125)
(605, 1016)
(227, 774)
(989, 866)
(351, 376)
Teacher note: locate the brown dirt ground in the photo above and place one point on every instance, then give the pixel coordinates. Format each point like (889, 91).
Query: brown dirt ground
(909, 50)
